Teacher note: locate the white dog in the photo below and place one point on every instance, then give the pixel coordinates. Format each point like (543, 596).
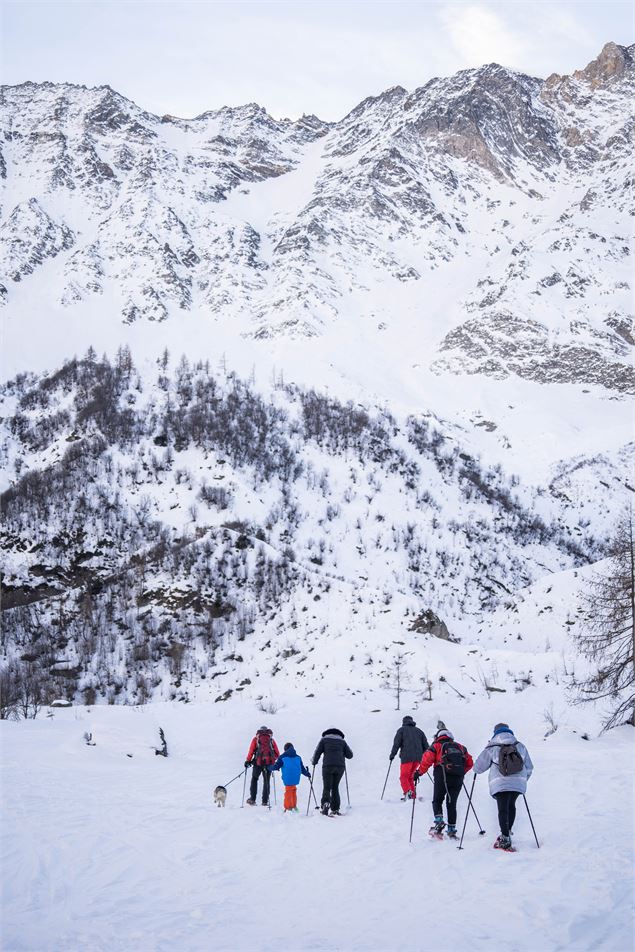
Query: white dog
(220, 795)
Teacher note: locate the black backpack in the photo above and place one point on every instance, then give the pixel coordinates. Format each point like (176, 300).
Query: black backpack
(509, 760)
(452, 757)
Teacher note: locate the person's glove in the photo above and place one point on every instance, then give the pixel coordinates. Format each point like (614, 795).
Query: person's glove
(247, 764)
(415, 776)
(391, 757)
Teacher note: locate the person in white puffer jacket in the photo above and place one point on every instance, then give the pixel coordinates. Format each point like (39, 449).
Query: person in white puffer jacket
(510, 768)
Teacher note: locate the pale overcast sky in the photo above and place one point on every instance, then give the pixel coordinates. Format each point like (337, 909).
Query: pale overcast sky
(297, 56)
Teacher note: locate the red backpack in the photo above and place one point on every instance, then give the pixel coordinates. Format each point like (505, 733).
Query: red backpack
(264, 753)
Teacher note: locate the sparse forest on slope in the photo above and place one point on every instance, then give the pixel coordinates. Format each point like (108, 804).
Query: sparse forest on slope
(157, 520)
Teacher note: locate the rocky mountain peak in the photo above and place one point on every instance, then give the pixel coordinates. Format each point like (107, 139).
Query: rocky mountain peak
(613, 63)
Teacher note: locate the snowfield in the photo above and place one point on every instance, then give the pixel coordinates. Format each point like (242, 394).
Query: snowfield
(113, 848)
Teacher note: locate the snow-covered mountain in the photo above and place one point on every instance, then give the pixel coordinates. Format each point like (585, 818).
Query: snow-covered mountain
(490, 210)
(407, 393)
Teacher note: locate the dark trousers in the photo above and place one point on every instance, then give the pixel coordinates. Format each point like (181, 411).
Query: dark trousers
(447, 788)
(506, 810)
(331, 777)
(256, 770)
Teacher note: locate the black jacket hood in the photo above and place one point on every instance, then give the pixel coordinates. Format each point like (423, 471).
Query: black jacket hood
(333, 730)
(408, 721)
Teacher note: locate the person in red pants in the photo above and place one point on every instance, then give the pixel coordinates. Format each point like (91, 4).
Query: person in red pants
(411, 742)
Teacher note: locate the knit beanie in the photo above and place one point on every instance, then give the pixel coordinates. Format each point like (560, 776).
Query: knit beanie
(502, 728)
(288, 745)
(444, 732)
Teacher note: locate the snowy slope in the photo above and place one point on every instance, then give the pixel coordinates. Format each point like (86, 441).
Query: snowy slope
(111, 848)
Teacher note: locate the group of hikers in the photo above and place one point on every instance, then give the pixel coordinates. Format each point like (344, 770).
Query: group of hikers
(265, 757)
(506, 759)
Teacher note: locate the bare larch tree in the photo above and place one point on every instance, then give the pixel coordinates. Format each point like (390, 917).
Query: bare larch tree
(607, 633)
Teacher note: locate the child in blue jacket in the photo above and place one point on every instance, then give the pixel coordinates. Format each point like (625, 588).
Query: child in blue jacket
(292, 770)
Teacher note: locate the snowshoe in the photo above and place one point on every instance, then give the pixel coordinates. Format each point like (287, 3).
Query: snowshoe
(452, 835)
(335, 813)
(436, 830)
(504, 843)
(250, 802)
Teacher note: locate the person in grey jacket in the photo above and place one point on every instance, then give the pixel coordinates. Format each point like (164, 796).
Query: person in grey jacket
(505, 787)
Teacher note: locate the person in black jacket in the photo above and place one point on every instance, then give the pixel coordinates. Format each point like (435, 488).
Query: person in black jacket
(336, 751)
(412, 743)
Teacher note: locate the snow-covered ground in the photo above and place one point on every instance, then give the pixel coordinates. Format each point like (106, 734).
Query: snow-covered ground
(113, 848)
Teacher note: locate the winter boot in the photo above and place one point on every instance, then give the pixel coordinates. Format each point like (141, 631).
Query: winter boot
(252, 803)
(451, 831)
(436, 830)
(325, 808)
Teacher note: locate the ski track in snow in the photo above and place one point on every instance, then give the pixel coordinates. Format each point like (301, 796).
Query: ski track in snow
(106, 852)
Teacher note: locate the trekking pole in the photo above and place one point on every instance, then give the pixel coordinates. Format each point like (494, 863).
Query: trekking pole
(412, 815)
(310, 790)
(317, 805)
(531, 821)
(386, 781)
(235, 778)
(347, 793)
(481, 831)
(244, 788)
(275, 798)
(460, 846)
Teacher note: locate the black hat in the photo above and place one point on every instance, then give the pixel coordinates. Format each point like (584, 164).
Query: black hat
(288, 745)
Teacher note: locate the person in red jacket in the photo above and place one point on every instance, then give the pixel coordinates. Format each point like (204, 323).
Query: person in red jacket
(262, 752)
(451, 761)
